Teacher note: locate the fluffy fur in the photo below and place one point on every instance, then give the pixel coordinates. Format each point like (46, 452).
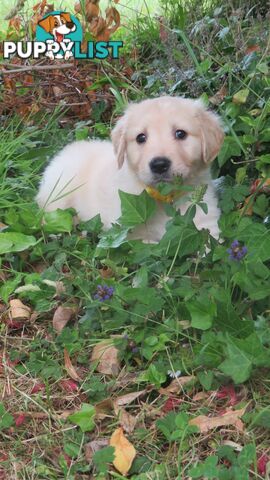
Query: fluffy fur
(87, 175)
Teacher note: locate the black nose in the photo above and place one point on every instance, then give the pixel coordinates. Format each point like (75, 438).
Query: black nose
(70, 24)
(160, 165)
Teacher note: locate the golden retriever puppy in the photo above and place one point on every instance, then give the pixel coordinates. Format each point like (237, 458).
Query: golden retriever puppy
(154, 141)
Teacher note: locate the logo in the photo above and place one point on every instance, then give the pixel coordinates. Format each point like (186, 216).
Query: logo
(59, 35)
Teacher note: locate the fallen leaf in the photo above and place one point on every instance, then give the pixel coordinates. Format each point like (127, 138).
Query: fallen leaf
(228, 391)
(241, 97)
(171, 404)
(219, 96)
(231, 417)
(19, 311)
(20, 419)
(69, 367)
(262, 464)
(61, 317)
(176, 386)
(124, 451)
(69, 385)
(38, 387)
(200, 396)
(92, 447)
(126, 420)
(129, 398)
(106, 355)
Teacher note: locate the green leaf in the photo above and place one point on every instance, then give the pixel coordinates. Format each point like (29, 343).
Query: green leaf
(230, 148)
(84, 418)
(241, 96)
(113, 238)
(15, 242)
(207, 469)
(6, 420)
(262, 418)
(58, 221)
(136, 209)
(102, 457)
(202, 311)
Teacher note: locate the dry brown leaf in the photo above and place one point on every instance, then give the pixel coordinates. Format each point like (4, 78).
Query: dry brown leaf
(106, 272)
(219, 96)
(91, 11)
(69, 367)
(231, 417)
(176, 385)
(19, 311)
(92, 447)
(128, 398)
(124, 451)
(106, 355)
(126, 420)
(61, 317)
(200, 396)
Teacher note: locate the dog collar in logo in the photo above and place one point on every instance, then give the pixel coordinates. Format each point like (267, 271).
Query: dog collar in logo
(170, 198)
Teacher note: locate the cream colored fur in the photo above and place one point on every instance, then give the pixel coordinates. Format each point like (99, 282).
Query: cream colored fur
(87, 175)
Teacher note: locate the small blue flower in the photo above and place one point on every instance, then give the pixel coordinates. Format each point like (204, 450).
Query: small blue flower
(237, 252)
(104, 292)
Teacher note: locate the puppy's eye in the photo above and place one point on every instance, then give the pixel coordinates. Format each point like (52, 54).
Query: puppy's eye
(180, 134)
(141, 138)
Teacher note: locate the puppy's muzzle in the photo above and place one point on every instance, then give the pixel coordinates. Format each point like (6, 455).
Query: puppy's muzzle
(160, 165)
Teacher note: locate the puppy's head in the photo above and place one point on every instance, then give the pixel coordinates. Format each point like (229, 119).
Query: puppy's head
(61, 25)
(167, 136)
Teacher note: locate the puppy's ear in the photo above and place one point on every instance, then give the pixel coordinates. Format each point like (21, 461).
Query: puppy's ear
(118, 136)
(46, 23)
(66, 16)
(212, 134)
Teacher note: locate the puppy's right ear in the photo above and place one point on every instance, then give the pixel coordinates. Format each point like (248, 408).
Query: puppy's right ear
(118, 136)
(46, 23)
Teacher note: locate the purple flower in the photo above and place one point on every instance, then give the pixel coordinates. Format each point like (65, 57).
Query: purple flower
(104, 292)
(237, 251)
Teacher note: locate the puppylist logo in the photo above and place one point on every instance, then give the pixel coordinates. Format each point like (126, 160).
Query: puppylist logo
(59, 35)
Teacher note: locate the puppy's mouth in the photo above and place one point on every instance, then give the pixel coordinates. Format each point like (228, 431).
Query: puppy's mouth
(164, 178)
(59, 37)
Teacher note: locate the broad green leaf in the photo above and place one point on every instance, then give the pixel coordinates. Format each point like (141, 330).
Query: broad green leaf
(102, 457)
(84, 418)
(202, 311)
(136, 209)
(241, 96)
(15, 242)
(230, 148)
(113, 238)
(58, 221)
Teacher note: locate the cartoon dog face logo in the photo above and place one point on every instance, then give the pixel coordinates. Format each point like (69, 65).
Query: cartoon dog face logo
(58, 25)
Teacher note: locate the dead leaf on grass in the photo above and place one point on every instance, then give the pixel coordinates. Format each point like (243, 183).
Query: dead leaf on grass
(200, 396)
(126, 420)
(231, 417)
(61, 317)
(19, 311)
(176, 385)
(124, 451)
(106, 355)
(69, 367)
(92, 447)
(129, 398)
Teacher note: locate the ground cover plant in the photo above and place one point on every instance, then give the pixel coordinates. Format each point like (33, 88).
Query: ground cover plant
(122, 359)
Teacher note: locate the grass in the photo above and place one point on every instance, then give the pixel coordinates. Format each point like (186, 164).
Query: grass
(187, 331)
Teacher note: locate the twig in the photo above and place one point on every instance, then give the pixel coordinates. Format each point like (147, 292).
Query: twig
(38, 68)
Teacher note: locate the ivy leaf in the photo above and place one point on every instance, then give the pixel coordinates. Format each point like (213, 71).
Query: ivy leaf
(113, 238)
(58, 221)
(230, 148)
(202, 311)
(84, 418)
(207, 469)
(136, 209)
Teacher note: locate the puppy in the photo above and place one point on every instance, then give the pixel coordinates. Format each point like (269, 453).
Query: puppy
(58, 26)
(154, 141)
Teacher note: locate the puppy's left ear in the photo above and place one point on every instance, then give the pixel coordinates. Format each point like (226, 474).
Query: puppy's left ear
(118, 136)
(212, 134)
